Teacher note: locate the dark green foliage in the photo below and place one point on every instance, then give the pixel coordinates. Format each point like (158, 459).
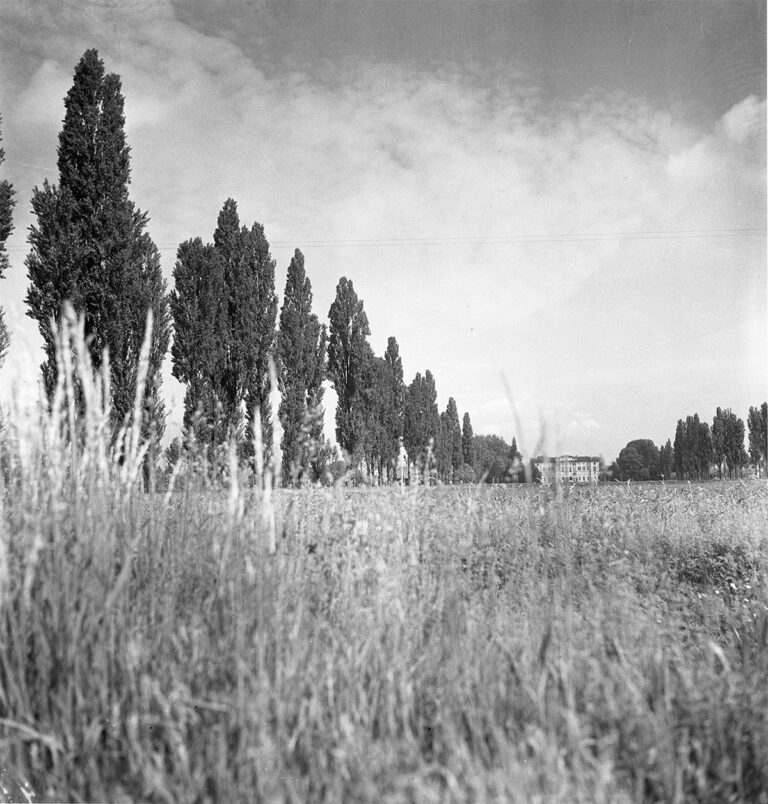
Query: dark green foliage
(757, 423)
(694, 449)
(679, 450)
(465, 474)
(727, 443)
(448, 449)
(348, 359)
(666, 460)
(393, 393)
(443, 451)
(301, 348)
(639, 460)
(631, 465)
(374, 406)
(383, 400)
(492, 459)
(249, 277)
(467, 441)
(198, 351)
(421, 425)
(454, 434)
(516, 469)
(496, 461)
(6, 227)
(90, 247)
(224, 308)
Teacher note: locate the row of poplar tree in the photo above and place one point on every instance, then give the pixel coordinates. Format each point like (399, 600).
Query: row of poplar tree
(699, 451)
(89, 246)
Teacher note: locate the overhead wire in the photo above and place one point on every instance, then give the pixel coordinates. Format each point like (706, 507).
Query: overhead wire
(563, 237)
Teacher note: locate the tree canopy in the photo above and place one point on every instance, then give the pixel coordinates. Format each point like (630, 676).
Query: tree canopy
(348, 359)
(90, 246)
(301, 352)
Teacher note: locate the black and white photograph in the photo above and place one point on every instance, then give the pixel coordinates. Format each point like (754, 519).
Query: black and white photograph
(383, 401)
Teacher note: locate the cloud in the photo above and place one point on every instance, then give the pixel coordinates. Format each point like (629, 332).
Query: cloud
(745, 120)
(488, 212)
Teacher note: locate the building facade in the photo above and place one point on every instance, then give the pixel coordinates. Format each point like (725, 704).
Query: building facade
(569, 469)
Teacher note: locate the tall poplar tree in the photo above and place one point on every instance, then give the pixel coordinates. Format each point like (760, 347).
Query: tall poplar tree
(421, 424)
(395, 401)
(443, 450)
(757, 422)
(249, 276)
(225, 310)
(728, 442)
(198, 308)
(467, 441)
(301, 349)
(679, 451)
(348, 358)
(666, 460)
(90, 247)
(454, 434)
(6, 227)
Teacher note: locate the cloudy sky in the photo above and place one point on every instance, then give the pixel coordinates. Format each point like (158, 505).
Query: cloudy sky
(557, 208)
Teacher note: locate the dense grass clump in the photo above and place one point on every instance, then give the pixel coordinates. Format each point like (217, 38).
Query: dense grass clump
(422, 644)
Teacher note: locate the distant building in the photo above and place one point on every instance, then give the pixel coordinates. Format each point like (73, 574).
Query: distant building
(569, 469)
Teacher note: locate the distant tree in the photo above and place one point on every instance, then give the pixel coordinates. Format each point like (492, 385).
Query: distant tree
(348, 358)
(679, 451)
(374, 393)
(251, 314)
(421, 425)
(517, 469)
(454, 434)
(704, 451)
(224, 310)
(719, 439)
(649, 453)
(6, 227)
(492, 461)
(301, 350)
(90, 246)
(727, 443)
(691, 452)
(467, 441)
(393, 392)
(198, 305)
(465, 474)
(757, 423)
(443, 451)
(448, 451)
(632, 465)
(666, 460)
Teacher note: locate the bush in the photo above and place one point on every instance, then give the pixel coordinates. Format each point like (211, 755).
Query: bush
(465, 474)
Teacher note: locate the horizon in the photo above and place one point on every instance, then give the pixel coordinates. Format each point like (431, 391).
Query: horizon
(570, 237)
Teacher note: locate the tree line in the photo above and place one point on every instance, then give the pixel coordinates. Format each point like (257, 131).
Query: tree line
(89, 246)
(699, 451)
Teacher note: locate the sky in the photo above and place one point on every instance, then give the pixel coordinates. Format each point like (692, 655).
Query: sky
(558, 208)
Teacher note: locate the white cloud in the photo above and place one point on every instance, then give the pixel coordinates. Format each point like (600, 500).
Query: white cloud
(384, 153)
(746, 119)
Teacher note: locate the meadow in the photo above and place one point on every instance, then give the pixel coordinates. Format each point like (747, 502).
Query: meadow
(461, 643)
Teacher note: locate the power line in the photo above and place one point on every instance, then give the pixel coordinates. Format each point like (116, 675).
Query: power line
(565, 237)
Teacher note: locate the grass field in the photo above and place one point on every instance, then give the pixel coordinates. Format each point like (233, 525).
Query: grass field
(468, 643)
(419, 644)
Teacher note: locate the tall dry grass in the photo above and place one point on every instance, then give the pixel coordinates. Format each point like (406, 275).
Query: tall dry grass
(420, 644)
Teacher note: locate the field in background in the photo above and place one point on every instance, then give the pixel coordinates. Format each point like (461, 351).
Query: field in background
(418, 644)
